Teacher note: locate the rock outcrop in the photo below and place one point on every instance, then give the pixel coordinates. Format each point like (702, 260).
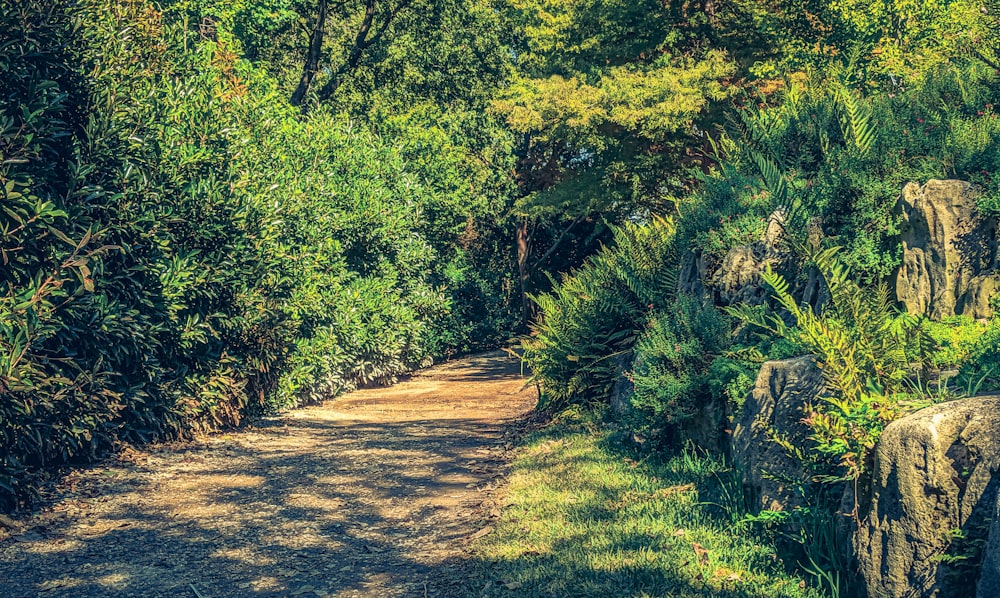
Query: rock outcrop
(692, 277)
(933, 482)
(989, 576)
(949, 252)
(775, 407)
(738, 278)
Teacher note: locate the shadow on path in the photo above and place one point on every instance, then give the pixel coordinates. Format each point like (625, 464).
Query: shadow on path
(373, 494)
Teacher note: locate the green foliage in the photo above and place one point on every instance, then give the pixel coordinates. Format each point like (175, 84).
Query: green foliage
(864, 348)
(586, 517)
(837, 154)
(732, 380)
(888, 38)
(594, 315)
(675, 372)
(981, 371)
(181, 249)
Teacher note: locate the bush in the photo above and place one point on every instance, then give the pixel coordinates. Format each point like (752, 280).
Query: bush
(673, 360)
(594, 315)
(981, 371)
(182, 249)
(839, 154)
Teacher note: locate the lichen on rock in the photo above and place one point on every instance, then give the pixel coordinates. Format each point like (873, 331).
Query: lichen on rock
(949, 252)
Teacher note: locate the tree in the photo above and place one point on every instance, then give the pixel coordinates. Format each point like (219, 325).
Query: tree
(609, 101)
(376, 17)
(887, 40)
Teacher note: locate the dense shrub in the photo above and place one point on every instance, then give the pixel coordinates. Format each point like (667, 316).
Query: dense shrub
(834, 155)
(840, 154)
(982, 369)
(672, 362)
(182, 248)
(594, 316)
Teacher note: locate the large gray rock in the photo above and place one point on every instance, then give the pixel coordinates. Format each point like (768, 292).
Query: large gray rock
(738, 278)
(989, 577)
(933, 475)
(775, 407)
(949, 252)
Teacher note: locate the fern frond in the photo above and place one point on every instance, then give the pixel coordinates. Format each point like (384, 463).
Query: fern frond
(857, 120)
(772, 176)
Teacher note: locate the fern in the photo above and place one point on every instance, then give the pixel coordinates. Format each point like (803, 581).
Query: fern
(856, 120)
(773, 178)
(861, 344)
(594, 315)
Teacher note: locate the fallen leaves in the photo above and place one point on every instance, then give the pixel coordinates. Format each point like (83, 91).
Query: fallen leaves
(482, 533)
(701, 552)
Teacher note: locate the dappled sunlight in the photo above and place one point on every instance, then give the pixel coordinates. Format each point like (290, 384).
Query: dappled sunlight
(583, 518)
(343, 499)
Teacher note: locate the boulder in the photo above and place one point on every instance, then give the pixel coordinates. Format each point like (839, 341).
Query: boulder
(775, 408)
(691, 280)
(949, 252)
(932, 484)
(738, 279)
(989, 577)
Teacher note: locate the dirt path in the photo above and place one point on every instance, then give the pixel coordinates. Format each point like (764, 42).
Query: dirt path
(373, 494)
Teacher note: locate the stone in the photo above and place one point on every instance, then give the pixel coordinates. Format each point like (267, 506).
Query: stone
(775, 406)
(949, 262)
(738, 278)
(989, 576)
(707, 429)
(933, 477)
(813, 290)
(623, 389)
(692, 277)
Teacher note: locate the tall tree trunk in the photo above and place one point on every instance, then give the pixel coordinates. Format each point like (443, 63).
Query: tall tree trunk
(312, 57)
(523, 242)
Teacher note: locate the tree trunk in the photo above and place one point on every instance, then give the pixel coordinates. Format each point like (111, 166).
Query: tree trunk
(312, 57)
(361, 42)
(523, 242)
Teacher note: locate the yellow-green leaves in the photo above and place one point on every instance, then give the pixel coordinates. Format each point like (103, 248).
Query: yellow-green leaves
(665, 98)
(554, 108)
(651, 101)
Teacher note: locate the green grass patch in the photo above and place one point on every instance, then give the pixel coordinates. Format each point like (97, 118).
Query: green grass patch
(583, 517)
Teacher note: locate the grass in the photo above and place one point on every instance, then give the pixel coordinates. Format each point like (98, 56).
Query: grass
(582, 517)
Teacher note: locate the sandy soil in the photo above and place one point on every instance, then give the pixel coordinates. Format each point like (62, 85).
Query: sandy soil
(376, 493)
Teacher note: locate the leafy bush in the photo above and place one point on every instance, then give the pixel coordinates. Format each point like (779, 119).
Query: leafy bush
(673, 364)
(183, 249)
(839, 153)
(594, 315)
(981, 371)
(867, 351)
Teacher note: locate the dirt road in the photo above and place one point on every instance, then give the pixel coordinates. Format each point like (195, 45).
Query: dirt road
(376, 493)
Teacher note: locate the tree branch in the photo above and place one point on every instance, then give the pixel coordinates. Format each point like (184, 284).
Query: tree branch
(555, 244)
(312, 56)
(354, 58)
(362, 42)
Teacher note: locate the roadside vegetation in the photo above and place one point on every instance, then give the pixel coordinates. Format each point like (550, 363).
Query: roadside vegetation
(216, 210)
(585, 516)
(803, 181)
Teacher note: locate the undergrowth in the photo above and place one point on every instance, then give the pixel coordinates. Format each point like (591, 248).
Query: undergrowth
(586, 517)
